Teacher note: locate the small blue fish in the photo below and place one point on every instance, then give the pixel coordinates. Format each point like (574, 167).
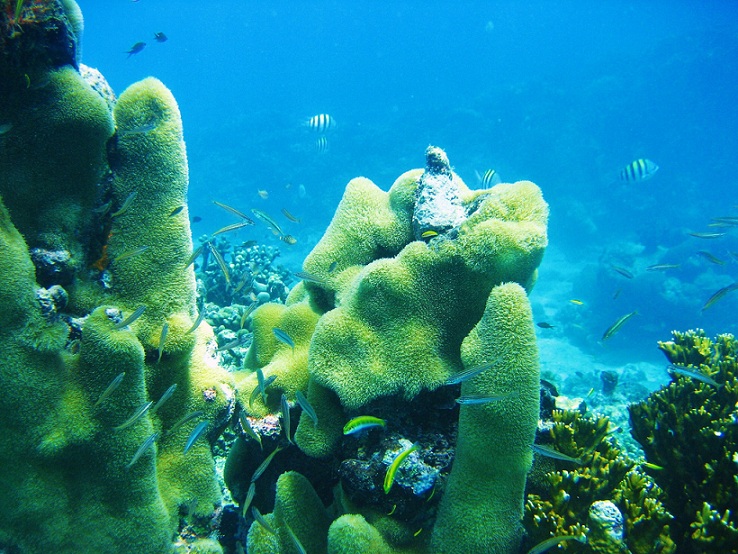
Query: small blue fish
(638, 170)
(306, 407)
(282, 336)
(197, 432)
(148, 443)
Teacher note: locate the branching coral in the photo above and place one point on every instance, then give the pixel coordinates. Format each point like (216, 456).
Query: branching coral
(689, 428)
(564, 502)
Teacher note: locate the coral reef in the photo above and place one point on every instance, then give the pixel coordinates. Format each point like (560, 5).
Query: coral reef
(597, 492)
(389, 309)
(94, 432)
(688, 431)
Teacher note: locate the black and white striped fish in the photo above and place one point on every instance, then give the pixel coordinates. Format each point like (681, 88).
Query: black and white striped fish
(488, 179)
(638, 170)
(321, 145)
(321, 122)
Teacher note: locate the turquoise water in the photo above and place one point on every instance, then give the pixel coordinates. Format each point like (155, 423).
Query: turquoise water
(563, 94)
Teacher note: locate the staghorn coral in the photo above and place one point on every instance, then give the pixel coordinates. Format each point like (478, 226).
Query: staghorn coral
(689, 429)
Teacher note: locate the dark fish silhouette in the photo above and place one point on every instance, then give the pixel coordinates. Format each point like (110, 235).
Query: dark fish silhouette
(544, 325)
(136, 48)
(160, 37)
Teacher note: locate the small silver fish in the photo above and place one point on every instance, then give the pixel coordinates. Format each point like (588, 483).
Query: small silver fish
(232, 227)
(256, 514)
(693, 374)
(246, 426)
(138, 312)
(468, 373)
(130, 254)
(720, 294)
(615, 327)
(164, 397)
(249, 498)
(267, 220)
(622, 271)
(197, 432)
(262, 385)
(282, 336)
(162, 340)
(286, 419)
(196, 324)
(295, 541)
(289, 216)
(555, 454)
(114, 384)
(126, 204)
(221, 262)
(305, 276)
(195, 254)
(707, 235)
(139, 130)
(183, 420)
(474, 399)
(711, 257)
(148, 443)
(137, 414)
(662, 267)
(233, 211)
(306, 407)
(258, 389)
(265, 464)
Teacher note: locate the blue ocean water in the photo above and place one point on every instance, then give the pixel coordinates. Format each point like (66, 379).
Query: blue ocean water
(564, 94)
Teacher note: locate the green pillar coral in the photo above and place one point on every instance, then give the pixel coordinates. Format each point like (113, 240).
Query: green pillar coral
(482, 506)
(72, 482)
(275, 358)
(298, 506)
(352, 534)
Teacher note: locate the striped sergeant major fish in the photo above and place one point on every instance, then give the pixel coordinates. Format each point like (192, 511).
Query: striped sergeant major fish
(488, 179)
(638, 170)
(321, 122)
(321, 145)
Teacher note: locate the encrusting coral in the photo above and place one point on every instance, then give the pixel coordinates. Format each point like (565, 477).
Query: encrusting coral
(93, 437)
